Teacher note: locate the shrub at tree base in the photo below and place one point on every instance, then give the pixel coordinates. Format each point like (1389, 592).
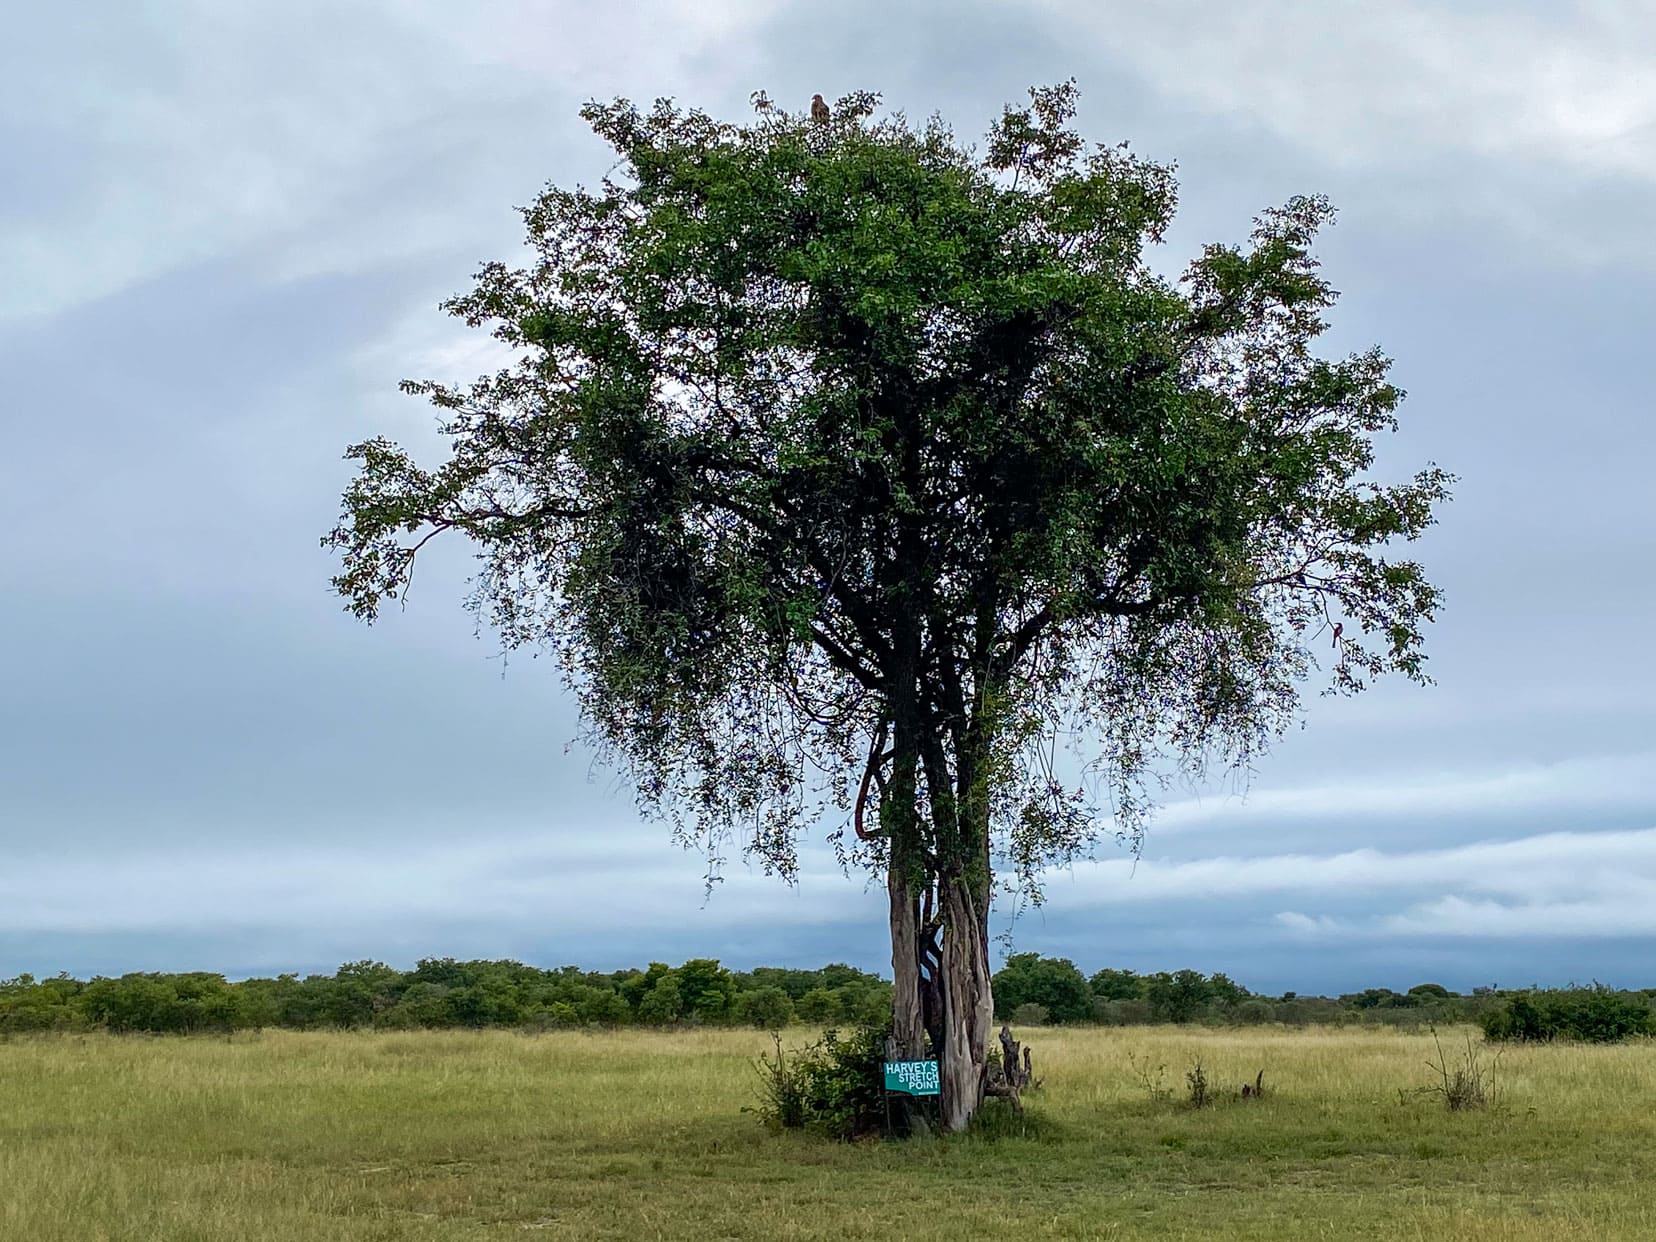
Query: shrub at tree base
(1595, 1015)
(834, 1087)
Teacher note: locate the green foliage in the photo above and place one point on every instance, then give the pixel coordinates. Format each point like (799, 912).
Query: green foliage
(1031, 1014)
(1178, 997)
(1224, 992)
(706, 989)
(663, 1003)
(639, 984)
(596, 1007)
(1376, 998)
(1052, 984)
(1593, 1014)
(179, 1004)
(445, 993)
(1117, 985)
(834, 1087)
(768, 1008)
(823, 433)
(1121, 1012)
(821, 1006)
(27, 1005)
(440, 993)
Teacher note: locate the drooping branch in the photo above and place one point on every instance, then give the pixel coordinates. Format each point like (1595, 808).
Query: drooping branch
(877, 755)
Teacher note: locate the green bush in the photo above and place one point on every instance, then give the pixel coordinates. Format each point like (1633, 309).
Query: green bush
(598, 1008)
(1117, 985)
(834, 1087)
(705, 989)
(663, 1003)
(1309, 1010)
(1053, 983)
(819, 1005)
(1121, 1012)
(37, 1014)
(1178, 997)
(1595, 1015)
(768, 1008)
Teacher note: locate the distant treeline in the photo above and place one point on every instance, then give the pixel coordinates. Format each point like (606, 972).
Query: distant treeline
(1032, 989)
(441, 992)
(1029, 989)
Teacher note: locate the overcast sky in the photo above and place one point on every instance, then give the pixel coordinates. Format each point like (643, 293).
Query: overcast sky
(224, 229)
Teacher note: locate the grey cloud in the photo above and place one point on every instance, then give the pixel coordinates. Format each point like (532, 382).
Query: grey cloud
(1546, 867)
(228, 247)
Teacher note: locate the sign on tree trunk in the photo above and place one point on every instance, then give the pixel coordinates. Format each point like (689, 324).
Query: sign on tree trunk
(913, 1077)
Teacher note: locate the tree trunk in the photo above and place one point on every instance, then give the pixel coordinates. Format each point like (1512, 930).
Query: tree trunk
(908, 1029)
(968, 1006)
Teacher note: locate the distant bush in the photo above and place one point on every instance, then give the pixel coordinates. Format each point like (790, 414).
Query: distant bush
(1596, 1015)
(1053, 983)
(1309, 1011)
(1123, 1012)
(1031, 1014)
(819, 1006)
(768, 1008)
(1178, 997)
(663, 1003)
(1122, 997)
(171, 1004)
(1112, 985)
(26, 1005)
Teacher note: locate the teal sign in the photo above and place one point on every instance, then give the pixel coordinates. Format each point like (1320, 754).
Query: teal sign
(913, 1077)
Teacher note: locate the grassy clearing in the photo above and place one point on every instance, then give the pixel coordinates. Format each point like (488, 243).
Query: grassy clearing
(286, 1136)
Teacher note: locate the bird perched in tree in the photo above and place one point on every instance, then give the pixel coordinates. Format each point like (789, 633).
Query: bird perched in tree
(819, 110)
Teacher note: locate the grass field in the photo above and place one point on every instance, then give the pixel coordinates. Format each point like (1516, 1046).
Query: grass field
(284, 1136)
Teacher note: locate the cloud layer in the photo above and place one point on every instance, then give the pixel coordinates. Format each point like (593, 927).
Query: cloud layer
(233, 229)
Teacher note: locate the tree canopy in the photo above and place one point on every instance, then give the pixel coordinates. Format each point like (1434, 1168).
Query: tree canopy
(841, 460)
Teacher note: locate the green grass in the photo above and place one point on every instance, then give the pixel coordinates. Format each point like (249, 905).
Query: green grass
(286, 1136)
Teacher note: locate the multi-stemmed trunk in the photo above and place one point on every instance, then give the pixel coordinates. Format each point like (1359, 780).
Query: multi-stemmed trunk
(934, 815)
(940, 966)
(968, 1008)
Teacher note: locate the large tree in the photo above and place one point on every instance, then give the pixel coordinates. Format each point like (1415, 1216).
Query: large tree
(843, 464)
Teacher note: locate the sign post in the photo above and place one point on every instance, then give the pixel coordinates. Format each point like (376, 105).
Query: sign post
(909, 1078)
(913, 1078)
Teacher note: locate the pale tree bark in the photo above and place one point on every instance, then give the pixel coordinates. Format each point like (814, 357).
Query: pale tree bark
(908, 1024)
(968, 1004)
(908, 1021)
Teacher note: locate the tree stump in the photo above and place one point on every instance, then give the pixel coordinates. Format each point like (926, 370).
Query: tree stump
(1008, 1078)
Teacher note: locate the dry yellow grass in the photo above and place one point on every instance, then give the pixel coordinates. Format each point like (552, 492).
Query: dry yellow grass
(286, 1136)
